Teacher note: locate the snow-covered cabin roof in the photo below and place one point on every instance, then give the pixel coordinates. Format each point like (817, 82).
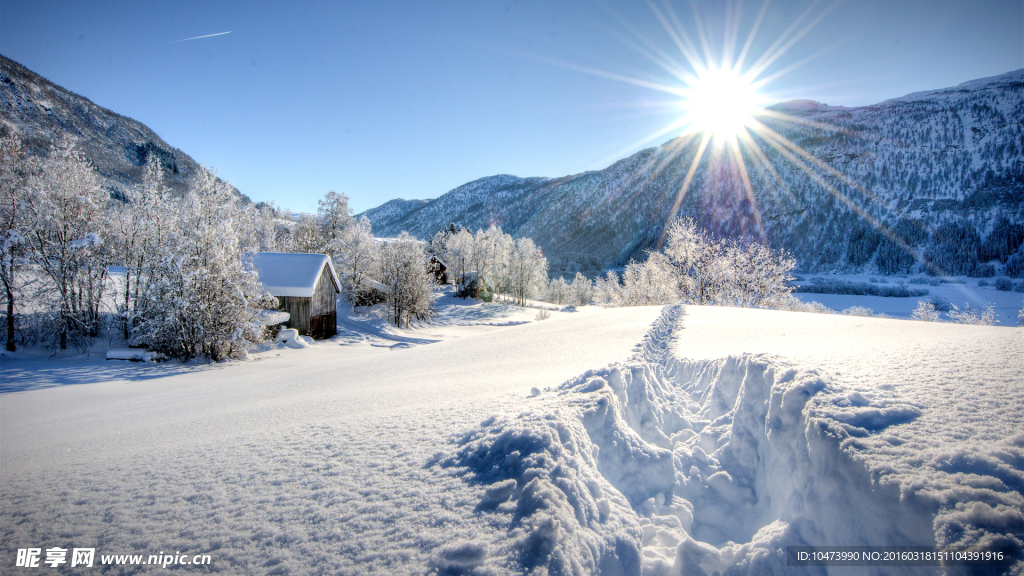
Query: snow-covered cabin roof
(292, 274)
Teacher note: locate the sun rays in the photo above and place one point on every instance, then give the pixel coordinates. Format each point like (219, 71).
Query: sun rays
(722, 101)
(722, 93)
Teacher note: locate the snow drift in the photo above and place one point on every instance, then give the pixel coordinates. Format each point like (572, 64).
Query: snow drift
(671, 466)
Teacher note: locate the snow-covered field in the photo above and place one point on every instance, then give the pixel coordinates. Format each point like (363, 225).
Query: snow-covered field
(663, 440)
(961, 293)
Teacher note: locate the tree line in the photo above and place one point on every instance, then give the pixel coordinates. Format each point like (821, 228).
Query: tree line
(163, 270)
(692, 267)
(166, 271)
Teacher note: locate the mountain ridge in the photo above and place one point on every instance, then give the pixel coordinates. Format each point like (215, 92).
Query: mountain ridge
(948, 157)
(118, 146)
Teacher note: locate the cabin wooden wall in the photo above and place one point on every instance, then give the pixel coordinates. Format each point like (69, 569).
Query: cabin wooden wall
(323, 322)
(316, 316)
(325, 299)
(298, 308)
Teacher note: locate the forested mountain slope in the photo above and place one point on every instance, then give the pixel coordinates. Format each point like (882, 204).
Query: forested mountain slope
(940, 172)
(118, 147)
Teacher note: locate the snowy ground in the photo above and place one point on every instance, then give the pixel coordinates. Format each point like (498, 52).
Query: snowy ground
(663, 441)
(963, 292)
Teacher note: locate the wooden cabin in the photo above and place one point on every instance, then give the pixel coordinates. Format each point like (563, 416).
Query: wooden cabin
(306, 287)
(438, 268)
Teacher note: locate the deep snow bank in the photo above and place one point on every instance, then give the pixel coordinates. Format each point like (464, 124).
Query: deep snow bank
(694, 467)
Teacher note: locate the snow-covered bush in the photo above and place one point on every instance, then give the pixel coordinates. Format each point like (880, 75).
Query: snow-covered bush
(925, 311)
(543, 314)
(939, 303)
(858, 311)
(971, 315)
(793, 304)
(1004, 284)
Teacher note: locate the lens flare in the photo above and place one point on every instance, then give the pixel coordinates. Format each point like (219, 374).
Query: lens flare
(721, 101)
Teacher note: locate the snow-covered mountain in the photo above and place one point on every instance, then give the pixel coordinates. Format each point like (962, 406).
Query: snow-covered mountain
(942, 170)
(117, 146)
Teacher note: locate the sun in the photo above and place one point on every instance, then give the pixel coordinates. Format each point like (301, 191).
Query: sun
(719, 103)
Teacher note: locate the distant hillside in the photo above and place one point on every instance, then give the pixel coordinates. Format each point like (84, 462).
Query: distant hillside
(942, 170)
(117, 146)
(393, 210)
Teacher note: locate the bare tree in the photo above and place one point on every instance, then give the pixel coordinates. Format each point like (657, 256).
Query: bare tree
(15, 169)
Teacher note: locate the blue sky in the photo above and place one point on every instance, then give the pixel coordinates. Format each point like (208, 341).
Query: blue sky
(410, 99)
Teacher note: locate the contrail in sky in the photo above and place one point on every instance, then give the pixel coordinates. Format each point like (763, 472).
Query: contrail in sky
(207, 36)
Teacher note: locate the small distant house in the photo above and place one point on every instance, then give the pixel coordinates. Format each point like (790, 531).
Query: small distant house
(306, 287)
(439, 269)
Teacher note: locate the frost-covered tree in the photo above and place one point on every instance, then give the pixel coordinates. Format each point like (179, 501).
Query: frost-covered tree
(356, 258)
(971, 315)
(203, 298)
(490, 248)
(525, 272)
(138, 229)
(713, 272)
(649, 283)
(262, 229)
(457, 251)
(15, 168)
(755, 276)
(557, 291)
(335, 219)
(607, 291)
(408, 284)
(473, 258)
(307, 236)
(697, 259)
(925, 311)
(65, 219)
(581, 290)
